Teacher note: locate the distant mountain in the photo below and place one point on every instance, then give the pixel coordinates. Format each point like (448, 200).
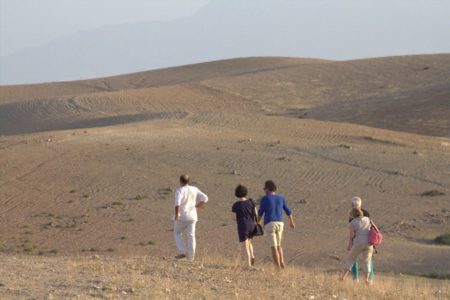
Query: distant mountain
(227, 29)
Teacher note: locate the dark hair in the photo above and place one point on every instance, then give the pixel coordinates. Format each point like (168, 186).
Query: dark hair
(240, 191)
(184, 179)
(270, 185)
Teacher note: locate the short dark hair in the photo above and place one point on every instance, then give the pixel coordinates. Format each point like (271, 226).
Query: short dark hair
(184, 179)
(240, 191)
(270, 185)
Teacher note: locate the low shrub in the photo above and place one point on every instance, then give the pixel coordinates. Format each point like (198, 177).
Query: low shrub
(436, 276)
(432, 193)
(443, 239)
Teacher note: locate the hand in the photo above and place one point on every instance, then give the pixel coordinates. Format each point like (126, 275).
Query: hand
(349, 247)
(292, 224)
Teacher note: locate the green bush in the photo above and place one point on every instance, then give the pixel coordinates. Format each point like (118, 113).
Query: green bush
(28, 246)
(443, 239)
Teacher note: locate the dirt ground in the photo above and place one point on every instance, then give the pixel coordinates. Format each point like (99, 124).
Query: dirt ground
(90, 167)
(99, 277)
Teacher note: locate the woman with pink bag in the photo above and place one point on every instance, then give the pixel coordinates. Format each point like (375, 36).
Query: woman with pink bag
(358, 244)
(357, 203)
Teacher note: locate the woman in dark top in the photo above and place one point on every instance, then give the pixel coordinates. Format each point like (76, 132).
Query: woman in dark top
(244, 210)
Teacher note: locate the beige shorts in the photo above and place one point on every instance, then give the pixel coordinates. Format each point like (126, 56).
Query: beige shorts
(274, 232)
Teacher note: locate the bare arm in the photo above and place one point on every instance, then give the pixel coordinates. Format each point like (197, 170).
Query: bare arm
(351, 237)
(177, 204)
(291, 222)
(260, 210)
(258, 218)
(177, 212)
(255, 211)
(288, 212)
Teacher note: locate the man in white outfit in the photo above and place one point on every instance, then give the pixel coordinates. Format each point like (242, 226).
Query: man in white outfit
(187, 199)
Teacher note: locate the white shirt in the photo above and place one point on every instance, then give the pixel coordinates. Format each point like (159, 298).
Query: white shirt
(186, 198)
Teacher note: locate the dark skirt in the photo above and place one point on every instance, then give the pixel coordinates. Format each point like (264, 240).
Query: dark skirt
(245, 229)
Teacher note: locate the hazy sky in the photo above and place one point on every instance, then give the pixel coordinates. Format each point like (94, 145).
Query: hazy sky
(54, 40)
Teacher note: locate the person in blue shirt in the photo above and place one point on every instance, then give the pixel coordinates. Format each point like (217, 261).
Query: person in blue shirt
(271, 207)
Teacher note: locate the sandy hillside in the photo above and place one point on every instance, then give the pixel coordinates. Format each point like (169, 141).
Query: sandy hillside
(90, 167)
(407, 94)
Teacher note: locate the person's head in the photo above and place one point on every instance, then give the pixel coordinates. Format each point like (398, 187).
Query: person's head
(240, 191)
(270, 187)
(184, 179)
(356, 212)
(356, 202)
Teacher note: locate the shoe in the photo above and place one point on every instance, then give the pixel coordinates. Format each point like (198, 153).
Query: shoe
(252, 261)
(180, 256)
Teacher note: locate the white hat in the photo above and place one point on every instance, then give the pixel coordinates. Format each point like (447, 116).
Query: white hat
(356, 201)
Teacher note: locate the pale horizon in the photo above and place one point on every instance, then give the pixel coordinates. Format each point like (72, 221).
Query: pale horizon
(72, 40)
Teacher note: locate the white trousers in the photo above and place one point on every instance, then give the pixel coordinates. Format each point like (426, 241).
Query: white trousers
(187, 229)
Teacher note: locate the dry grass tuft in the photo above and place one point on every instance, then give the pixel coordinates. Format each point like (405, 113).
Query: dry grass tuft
(206, 278)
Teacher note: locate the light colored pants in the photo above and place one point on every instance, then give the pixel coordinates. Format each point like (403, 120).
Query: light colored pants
(274, 232)
(185, 228)
(366, 250)
(355, 270)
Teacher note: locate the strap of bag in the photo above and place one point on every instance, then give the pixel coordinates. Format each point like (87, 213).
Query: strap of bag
(373, 224)
(253, 210)
(375, 251)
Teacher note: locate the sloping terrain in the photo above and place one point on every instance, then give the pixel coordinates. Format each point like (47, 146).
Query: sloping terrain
(209, 278)
(408, 94)
(91, 167)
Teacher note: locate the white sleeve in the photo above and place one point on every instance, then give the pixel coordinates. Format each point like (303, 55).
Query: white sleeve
(177, 198)
(201, 196)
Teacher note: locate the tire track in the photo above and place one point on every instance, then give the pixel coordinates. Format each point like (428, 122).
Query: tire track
(366, 168)
(6, 207)
(45, 115)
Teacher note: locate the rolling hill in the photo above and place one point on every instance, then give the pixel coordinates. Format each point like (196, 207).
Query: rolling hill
(91, 166)
(408, 94)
